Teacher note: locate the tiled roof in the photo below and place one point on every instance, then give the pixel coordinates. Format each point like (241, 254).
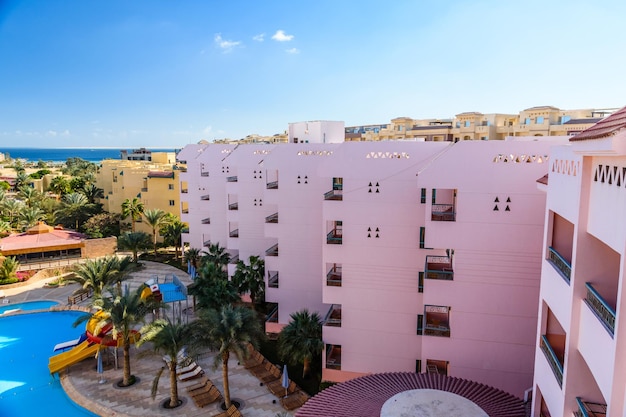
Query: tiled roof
(38, 238)
(431, 127)
(160, 174)
(604, 128)
(583, 121)
(365, 396)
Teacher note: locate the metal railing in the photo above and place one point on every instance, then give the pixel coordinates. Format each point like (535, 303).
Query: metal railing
(336, 195)
(272, 316)
(272, 185)
(333, 277)
(272, 251)
(604, 312)
(560, 264)
(185, 211)
(234, 233)
(439, 267)
(333, 317)
(233, 206)
(443, 213)
(553, 360)
(587, 409)
(204, 174)
(433, 330)
(231, 179)
(205, 197)
(334, 237)
(272, 218)
(333, 360)
(234, 259)
(272, 279)
(206, 220)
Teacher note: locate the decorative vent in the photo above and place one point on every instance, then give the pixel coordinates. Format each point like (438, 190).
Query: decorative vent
(611, 175)
(520, 159)
(262, 152)
(315, 153)
(565, 167)
(387, 155)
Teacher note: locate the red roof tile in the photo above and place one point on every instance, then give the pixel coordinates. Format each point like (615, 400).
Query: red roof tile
(605, 128)
(38, 238)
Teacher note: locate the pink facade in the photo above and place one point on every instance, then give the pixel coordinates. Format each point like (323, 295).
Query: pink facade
(580, 355)
(398, 245)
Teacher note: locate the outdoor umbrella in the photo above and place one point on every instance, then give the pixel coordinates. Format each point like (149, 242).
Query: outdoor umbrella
(285, 382)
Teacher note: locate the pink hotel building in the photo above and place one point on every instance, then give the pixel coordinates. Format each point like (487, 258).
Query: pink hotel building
(421, 256)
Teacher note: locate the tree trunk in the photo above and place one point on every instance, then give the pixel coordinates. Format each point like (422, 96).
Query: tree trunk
(132, 222)
(173, 384)
(306, 368)
(225, 357)
(154, 240)
(126, 380)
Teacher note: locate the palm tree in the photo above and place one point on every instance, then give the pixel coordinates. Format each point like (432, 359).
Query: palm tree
(30, 216)
(122, 312)
(216, 255)
(5, 228)
(29, 195)
(156, 219)
(301, 340)
(167, 339)
(12, 208)
(75, 208)
(59, 185)
(92, 192)
(132, 208)
(134, 242)
(99, 274)
(250, 278)
(192, 256)
(21, 180)
(212, 289)
(230, 329)
(8, 269)
(172, 232)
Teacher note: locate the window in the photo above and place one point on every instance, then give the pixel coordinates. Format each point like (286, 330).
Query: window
(420, 324)
(539, 120)
(437, 321)
(527, 121)
(437, 367)
(420, 282)
(422, 237)
(172, 202)
(423, 196)
(467, 123)
(434, 200)
(170, 186)
(418, 366)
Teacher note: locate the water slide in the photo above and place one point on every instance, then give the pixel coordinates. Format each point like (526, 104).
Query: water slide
(72, 356)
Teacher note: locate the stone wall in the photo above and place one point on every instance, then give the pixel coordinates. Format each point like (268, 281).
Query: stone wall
(99, 247)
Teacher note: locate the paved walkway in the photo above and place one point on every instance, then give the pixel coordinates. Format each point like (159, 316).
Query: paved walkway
(82, 382)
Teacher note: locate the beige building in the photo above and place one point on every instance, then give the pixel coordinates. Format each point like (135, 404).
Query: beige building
(156, 183)
(535, 121)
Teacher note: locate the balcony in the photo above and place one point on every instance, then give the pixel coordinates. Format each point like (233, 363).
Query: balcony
(272, 218)
(604, 312)
(560, 264)
(272, 279)
(333, 357)
(333, 277)
(334, 237)
(231, 179)
(234, 258)
(272, 185)
(233, 206)
(272, 251)
(144, 189)
(205, 197)
(553, 360)
(234, 233)
(333, 195)
(206, 220)
(439, 267)
(183, 191)
(333, 317)
(185, 211)
(272, 316)
(443, 213)
(204, 174)
(587, 409)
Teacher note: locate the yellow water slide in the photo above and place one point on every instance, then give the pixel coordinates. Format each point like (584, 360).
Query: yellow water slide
(72, 356)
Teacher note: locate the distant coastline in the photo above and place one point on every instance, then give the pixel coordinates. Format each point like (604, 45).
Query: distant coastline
(62, 154)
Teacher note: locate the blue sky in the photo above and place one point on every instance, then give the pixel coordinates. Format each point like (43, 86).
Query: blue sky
(161, 73)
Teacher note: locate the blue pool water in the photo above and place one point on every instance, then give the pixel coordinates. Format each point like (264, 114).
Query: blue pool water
(26, 387)
(28, 305)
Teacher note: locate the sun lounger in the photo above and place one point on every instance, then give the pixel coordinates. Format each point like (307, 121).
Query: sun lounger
(201, 382)
(202, 399)
(231, 412)
(295, 400)
(272, 375)
(262, 372)
(185, 369)
(278, 390)
(255, 359)
(66, 345)
(197, 372)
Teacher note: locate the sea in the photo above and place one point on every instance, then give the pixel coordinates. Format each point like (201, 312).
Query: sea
(58, 155)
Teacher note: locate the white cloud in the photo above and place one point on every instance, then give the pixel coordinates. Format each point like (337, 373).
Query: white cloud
(207, 130)
(292, 51)
(259, 38)
(281, 36)
(224, 44)
(51, 133)
(65, 133)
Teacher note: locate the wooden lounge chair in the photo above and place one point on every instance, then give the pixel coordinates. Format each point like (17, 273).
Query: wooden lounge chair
(295, 400)
(205, 398)
(201, 382)
(200, 387)
(185, 369)
(273, 375)
(278, 390)
(261, 371)
(231, 412)
(197, 372)
(255, 359)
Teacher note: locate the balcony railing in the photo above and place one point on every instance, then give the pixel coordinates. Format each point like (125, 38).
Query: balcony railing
(333, 317)
(587, 409)
(439, 267)
(604, 312)
(560, 264)
(272, 251)
(553, 360)
(234, 259)
(206, 220)
(205, 197)
(206, 243)
(334, 237)
(144, 189)
(272, 218)
(272, 316)
(443, 213)
(204, 174)
(233, 206)
(333, 277)
(272, 185)
(436, 330)
(234, 233)
(185, 211)
(336, 195)
(231, 179)
(272, 279)
(337, 186)
(183, 191)
(333, 357)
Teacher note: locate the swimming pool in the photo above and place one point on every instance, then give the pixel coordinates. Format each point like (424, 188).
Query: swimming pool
(26, 387)
(27, 305)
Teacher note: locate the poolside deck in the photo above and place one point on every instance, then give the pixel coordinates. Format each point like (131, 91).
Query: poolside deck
(82, 382)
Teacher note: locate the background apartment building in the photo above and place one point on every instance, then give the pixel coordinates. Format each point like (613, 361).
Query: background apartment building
(580, 355)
